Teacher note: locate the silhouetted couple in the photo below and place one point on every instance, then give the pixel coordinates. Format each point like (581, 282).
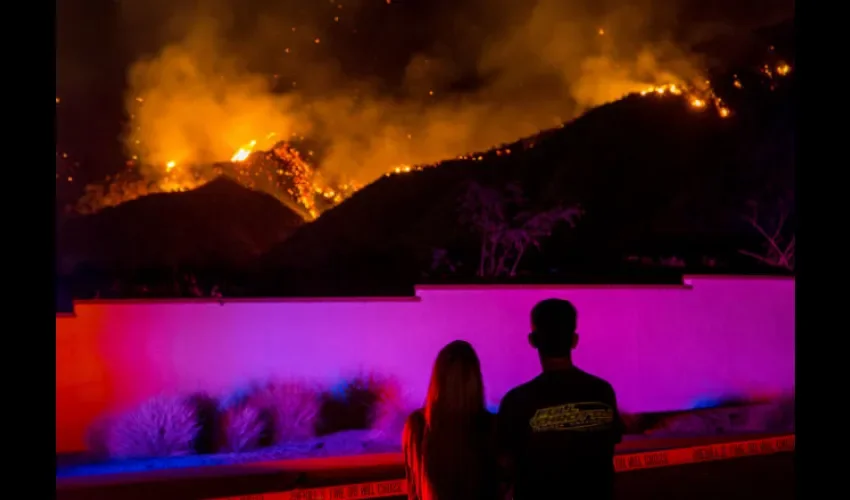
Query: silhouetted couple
(553, 437)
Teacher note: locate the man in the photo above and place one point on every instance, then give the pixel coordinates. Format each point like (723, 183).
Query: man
(557, 432)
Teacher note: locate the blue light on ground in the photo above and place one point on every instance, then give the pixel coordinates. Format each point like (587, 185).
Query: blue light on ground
(716, 402)
(344, 444)
(140, 465)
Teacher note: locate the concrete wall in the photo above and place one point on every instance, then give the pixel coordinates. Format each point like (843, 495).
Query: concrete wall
(662, 347)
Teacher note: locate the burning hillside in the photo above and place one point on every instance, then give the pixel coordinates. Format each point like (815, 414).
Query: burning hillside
(345, 95)
(288, 171)
(281, 172)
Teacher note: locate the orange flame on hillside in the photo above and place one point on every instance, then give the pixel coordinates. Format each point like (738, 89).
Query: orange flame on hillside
(244, 152)
(312, 194)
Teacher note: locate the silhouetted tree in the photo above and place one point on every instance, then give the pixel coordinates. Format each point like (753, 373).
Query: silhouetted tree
(779, 238)
(506, 228)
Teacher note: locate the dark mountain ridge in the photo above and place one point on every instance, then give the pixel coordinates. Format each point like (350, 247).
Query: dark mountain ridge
(218, 224)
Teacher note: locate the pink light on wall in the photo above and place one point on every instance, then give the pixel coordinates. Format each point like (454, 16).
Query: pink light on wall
(663, 348)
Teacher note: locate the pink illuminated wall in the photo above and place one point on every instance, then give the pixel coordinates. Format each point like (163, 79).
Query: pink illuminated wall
(663, 348)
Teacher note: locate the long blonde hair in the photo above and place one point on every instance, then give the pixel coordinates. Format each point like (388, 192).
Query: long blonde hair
(454, 443)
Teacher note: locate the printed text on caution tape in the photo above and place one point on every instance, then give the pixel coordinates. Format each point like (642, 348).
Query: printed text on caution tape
(698, 454)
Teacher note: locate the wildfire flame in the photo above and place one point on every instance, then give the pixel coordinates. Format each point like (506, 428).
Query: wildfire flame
(697, 99)
(244, 152)
(313, 194)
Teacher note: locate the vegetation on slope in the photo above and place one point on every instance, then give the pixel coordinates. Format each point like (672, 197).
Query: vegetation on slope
(654, 179)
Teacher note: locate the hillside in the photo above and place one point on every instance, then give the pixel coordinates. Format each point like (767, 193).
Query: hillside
(654, 177)
(664, 188)
(220, 225)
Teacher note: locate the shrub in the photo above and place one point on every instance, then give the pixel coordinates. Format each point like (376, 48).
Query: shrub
(245, 425)
(390, 411)
(293, 408)
(700, 422)
(352, 404)
(160, 427)
(736, 416)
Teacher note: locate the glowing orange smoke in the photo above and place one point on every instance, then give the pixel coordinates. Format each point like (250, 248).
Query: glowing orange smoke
(297, 183)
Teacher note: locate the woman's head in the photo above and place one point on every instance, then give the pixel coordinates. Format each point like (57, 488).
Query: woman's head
(456, 391)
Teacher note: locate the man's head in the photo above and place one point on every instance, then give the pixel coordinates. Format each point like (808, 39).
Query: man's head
(553, 328)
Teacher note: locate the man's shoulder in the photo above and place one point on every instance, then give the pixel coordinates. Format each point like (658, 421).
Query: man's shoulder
(516, 396)
(595, 381)
(519, 392)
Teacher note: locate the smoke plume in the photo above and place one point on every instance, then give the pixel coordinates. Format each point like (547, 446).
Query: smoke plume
(378, 83)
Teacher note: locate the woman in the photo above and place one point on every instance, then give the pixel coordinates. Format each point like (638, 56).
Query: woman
(448, 445)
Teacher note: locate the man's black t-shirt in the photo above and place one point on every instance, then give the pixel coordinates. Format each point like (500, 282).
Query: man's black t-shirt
(559, 432)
